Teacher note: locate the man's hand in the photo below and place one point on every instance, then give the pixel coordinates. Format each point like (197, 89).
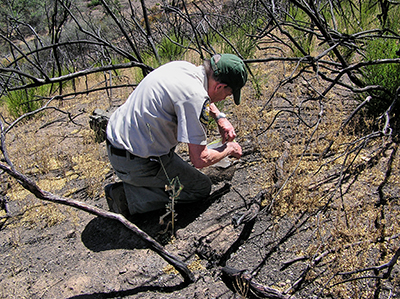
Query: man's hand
(235, 149)
(226, 130)
(201, 156)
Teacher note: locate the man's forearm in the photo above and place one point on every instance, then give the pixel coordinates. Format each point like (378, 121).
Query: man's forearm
(201, 156)
(214, 111)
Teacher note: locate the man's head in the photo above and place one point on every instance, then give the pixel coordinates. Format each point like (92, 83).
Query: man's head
(230, 69)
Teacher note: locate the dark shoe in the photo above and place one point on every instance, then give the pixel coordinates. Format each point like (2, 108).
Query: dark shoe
(116, 198)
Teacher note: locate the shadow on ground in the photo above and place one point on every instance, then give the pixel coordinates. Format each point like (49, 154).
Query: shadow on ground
(131, 292)
(102, 234)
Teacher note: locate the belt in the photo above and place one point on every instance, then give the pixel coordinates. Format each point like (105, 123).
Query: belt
(119, 152)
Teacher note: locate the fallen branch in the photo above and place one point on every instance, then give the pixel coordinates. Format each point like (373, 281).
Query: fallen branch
(389, 265)
(151, 243)
(242, 282)
(252, 212)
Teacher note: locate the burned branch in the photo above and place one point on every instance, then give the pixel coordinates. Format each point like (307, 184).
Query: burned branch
(32, 187)
(242, 282)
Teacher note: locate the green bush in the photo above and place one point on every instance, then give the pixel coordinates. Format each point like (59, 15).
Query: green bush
(244, 44)
(19, 102)
(93, 3)
(169, 48)
(386, 75)
(31, 12)
(297, 17)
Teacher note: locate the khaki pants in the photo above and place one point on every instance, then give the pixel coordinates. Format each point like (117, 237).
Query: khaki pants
(144, 180)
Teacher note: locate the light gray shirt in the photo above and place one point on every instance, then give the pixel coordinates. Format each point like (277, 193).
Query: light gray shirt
(170, 105)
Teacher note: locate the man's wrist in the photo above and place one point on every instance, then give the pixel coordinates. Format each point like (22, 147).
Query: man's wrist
(220, 115)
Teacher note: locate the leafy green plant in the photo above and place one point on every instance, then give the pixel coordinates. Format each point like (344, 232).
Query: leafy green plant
(93, 3)
(169, 48)
(31, 11)
(244, 44)
(238, 36)
(386, 75)
(298, 17)
(19, 102)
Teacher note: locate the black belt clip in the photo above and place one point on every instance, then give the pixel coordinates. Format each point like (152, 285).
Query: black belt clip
(119, 152)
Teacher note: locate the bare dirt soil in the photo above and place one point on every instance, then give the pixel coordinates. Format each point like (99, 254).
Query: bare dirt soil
(53, 251)
(85, 256)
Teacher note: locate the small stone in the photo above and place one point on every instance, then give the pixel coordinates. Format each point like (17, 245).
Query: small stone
(71, 234)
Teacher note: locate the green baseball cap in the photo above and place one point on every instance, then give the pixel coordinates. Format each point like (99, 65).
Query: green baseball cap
(231, 71)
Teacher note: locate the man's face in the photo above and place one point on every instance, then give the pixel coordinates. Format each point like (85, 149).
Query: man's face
(219, 91)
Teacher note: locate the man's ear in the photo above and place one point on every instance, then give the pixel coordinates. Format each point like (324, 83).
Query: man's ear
(221, 85)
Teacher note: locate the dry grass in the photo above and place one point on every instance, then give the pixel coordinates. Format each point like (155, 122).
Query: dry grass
(352, 229)
(55, 151)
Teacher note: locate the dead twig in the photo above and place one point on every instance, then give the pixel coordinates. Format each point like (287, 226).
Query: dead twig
(264, 195)
(31, 186)
(326, 150)
(389, 265)
(243, 283)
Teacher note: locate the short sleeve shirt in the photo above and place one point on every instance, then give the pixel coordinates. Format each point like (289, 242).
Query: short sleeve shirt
(170, 105)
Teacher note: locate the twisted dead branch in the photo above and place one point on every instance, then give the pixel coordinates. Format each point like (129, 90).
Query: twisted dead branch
(32, 187)
(243, 283)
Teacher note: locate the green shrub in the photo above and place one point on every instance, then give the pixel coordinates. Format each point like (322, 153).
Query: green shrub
(30, 12)
(386, 75)
(19, 102)
(169, 48)
(244, 44)
(299, 18)
(93, 3)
